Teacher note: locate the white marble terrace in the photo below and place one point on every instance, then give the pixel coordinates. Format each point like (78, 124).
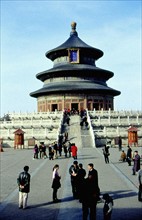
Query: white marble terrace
(46, 126)
(111, 124)
(43, 126)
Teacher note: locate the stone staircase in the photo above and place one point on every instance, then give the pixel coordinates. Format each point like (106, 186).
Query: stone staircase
(81, 137)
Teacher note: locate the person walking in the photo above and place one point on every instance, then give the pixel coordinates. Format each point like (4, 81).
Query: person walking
(73, 171)
(129, 155)
(24, 187)
(55, 183)
(106, 153)
(136, 166)
(108, 206)
(90, 193)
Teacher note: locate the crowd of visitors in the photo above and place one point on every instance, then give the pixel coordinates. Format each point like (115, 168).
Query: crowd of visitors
(55, 150)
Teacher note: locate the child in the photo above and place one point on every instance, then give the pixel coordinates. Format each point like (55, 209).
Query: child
(108, 205)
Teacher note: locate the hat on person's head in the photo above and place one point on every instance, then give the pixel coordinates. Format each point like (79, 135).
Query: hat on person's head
(26, 168)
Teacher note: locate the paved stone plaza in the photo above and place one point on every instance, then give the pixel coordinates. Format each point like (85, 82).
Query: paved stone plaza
(115, 178)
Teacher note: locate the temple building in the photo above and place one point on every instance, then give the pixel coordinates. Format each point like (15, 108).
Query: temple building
(74, 82)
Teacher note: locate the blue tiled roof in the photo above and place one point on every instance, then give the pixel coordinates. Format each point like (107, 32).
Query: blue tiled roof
(74, 86)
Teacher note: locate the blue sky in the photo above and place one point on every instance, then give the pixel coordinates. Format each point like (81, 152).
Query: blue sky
(31, 28)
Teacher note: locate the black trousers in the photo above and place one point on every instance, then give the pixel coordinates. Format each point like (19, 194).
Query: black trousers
(86, 209)
(74, 189)
(107, 217)
(55, 193)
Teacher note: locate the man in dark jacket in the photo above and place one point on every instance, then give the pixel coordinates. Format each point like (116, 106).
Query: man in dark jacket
(80, 180)
(24, 187)
(73, 171)
(129, 155)
(90, 193)
(136, 159)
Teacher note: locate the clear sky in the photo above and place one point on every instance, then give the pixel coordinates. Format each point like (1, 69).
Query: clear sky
(31, 28)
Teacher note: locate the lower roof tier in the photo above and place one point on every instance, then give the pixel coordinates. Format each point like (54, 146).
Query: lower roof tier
(74, 87)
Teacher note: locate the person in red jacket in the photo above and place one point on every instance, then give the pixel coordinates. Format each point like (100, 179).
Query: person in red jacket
(74, 151)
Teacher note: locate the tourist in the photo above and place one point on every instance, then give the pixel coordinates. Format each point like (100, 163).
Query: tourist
(55, 149)
(108, 206)
(65, 150)
(80, 180)
(65, 137)
(81, 124)
(120, 143)
(73, 171)
(55, 182)
(36, 152)
(40, 151)
(136, 166)
(122, 156)
(68, 120)
(44, 155)
(60, 149)
(51, 152)
(69, 149)
(129, 155)
(90, 193)
(24, 187)
(74, 151)
(106, 153)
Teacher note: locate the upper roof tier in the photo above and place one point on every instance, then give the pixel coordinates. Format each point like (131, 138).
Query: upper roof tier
(74, 42)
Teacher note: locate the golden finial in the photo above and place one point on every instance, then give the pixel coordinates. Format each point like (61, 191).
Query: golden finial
(73, 25)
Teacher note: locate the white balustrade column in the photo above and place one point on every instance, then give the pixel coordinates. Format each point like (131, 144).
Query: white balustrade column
(137, 119)
(109, 120)
(128, 119)
(119, 119)
(118, 131)
(99, 120)
(102, 111)
(109, 111)
(105, 131)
